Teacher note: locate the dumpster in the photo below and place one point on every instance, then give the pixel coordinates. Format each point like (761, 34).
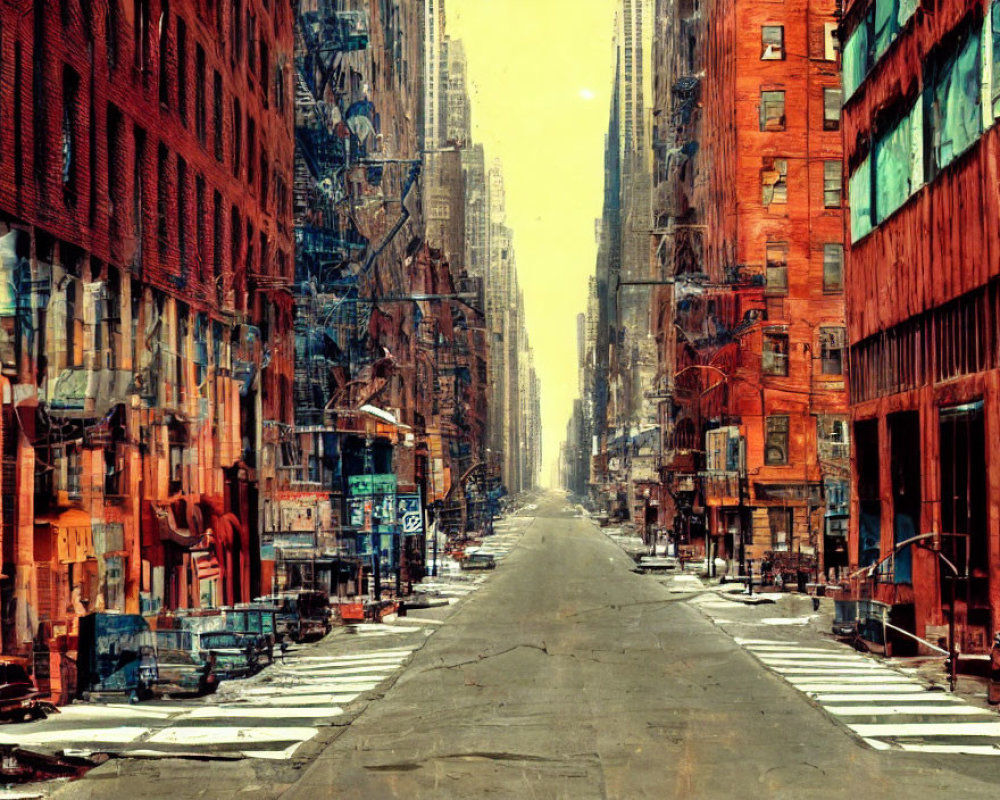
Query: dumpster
(117, 654)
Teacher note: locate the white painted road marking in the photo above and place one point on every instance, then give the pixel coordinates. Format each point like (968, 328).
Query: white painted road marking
(947, 710)
(882, 730)
(230, 735)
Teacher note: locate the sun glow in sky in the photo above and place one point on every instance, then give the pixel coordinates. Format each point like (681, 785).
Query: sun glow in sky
(540, 75)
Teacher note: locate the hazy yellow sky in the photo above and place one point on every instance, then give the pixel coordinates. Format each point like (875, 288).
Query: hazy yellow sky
(540, 75)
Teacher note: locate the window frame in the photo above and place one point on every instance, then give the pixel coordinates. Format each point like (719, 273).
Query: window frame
(832, 123)
(765, 45)
(829, 286)
(832, 348)
(828, 189)
(777, 266)
(770, 122)
(776, 437)
(774, 349)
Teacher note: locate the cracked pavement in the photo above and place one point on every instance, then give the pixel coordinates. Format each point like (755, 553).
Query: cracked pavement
(570, 675)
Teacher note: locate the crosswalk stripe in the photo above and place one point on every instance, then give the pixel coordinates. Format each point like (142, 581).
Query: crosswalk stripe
(828, 688)
(79, 736)
(951, 749)
(865, 697)
(248, 712)
(387, 653)
(231, 735)
(949, 709)
(889, 729)
(285, 700)
(829, 671)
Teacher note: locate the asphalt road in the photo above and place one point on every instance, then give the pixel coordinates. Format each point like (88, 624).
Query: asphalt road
(570, 676)
(567, 675)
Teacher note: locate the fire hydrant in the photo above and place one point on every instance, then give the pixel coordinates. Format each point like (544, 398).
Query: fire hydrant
(993, 692)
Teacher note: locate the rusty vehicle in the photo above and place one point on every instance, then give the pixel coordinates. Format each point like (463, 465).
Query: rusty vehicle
(19, 699)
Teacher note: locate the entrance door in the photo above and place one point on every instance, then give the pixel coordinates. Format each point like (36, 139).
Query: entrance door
(963, 512)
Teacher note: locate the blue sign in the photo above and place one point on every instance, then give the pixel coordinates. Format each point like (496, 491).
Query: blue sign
(411, 521)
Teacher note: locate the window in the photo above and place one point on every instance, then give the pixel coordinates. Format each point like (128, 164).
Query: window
(860, 197)
(776, 267)
(772, 43)
(116, 184)
(776, 441)
(111, 21)
(138, 192)
(871, 38)
(831, 437)
(140, 33)
(163, 56)
(182, 216)
(70, 159)
(774, 357)
(774, 180)
(217, 245)
(833, 267)
(217, 114)
(251, 150)
(772, 111)
(952, 97)
(832, 101)
(831, 349)
(780, 520)
(833, 184)
(830, 43)
(182, 73)
(199, 224)
(199, 94)
(237, 137)
(162, 199)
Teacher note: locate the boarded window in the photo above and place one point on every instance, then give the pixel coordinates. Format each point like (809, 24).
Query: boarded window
(774, 356)
(776, 441)
(860, 200)
(772, 111)
(832, 101)
(779, 520)
(830, 42)
(776, 267)
(888, 21)
(772, 43)
(831, 348)
(774, 180)
(894, 166)
(857, 57)
(951, 101)
(833, 184)
(833, 267)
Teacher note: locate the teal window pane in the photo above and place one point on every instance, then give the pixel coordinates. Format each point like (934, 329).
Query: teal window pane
(860, 199)
(892, 170)
(855, 59)
(955, 119)
(886, 24)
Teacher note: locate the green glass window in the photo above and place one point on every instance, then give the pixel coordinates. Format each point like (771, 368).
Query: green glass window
(860, 199)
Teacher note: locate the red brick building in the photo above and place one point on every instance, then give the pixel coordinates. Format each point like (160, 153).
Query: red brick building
(146, 251)
(749, 206)
(921, 101)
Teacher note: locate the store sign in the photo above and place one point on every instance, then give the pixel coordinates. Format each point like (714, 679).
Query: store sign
(411, 520)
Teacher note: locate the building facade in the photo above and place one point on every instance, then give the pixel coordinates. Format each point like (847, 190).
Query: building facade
(920, 107)
(147, 247)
